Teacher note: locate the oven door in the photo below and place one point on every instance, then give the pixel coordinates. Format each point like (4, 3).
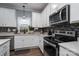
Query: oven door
(50, 49)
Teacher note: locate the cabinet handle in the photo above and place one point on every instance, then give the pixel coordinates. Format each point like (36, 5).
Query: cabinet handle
(67, 54)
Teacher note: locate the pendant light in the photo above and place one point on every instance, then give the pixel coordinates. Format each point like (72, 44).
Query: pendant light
(24, 16)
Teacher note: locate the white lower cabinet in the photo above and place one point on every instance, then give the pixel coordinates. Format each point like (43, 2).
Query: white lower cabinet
(28, 41)
(41, 45)
(5, 49)
(65, 52)
(25, 41)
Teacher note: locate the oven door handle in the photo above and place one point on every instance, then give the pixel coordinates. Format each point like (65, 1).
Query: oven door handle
(53, 45)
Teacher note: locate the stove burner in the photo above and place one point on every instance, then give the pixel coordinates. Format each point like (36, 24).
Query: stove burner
(60, 39)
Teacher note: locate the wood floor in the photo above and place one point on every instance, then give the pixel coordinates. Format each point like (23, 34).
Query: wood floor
(27, 52)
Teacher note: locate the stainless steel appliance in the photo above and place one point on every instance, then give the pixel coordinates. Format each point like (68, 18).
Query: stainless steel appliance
(60, 16)
(51, 44)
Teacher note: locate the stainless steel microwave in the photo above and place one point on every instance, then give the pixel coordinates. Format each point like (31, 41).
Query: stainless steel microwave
(62, 15)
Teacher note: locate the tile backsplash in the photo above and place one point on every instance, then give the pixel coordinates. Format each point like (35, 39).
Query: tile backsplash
(7, 29)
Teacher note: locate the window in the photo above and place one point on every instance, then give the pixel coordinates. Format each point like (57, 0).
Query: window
(24, 23)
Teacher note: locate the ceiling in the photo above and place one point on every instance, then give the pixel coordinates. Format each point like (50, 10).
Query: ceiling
(37, 7)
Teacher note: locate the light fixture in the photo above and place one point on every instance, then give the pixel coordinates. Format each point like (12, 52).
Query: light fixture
(54, 6)
(24, 16)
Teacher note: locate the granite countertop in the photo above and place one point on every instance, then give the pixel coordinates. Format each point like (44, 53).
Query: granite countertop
(71, 46)
(22, 34)
(2, 41)
(27, 34)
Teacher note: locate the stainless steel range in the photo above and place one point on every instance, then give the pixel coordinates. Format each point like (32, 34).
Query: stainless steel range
(51, 44)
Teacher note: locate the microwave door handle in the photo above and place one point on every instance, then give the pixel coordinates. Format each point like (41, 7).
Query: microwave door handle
(60, 15)
(67, 12)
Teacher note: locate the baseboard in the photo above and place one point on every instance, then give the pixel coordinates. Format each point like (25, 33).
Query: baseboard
(26, 48)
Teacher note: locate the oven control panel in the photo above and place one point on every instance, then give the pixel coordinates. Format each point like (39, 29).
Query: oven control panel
(66, 33)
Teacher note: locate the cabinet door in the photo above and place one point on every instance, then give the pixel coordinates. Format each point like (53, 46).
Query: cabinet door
(41, 45)
(11, 21)
(36, 19)
(8, 48)
(48, 14)
(7, 17)
(65, 52)
(5, 49)
(36, 40)
(44, 18)
(25, 41)
(18, 42)
(74, 13)
(28, 41)
(31, 41)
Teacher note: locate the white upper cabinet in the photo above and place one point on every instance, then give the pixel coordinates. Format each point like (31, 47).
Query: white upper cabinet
(36, 17)
(7, 17)
(45, 16)
(48, 14)
(74, 13)
(42, 19)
